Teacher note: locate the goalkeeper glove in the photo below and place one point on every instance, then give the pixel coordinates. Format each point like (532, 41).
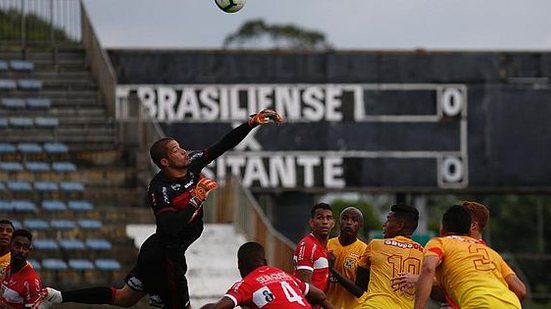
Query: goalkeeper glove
(202, 189)
(265, 116)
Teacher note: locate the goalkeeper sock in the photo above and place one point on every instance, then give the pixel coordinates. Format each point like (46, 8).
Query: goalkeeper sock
(97, 295)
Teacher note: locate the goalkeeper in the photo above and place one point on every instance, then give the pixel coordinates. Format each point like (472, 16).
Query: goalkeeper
(176, 195)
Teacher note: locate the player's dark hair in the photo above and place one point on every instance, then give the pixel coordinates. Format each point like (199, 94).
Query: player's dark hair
(158, 150)
(319, 206)
(22, 233)
(6, 221)
(251, 254)
(408, 215)
(456, 220)
(479, 213)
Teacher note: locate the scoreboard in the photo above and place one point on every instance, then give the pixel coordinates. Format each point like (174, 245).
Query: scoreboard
(369, 137)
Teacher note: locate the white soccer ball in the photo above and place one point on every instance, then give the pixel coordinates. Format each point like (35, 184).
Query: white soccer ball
(230, 6)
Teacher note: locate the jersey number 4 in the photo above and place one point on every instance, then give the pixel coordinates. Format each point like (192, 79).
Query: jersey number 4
(264, 295)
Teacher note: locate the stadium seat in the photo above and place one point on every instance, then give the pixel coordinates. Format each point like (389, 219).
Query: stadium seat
(38, 103)
(36, 224)
(71, 186)
(7, 148)
(89, 224)
(45, 244)
(11, 166)
(56, 148)
(21, 65)
(35, 264)
(23, 206)
(27, 148)
(19, 186)
(5, 206)
(21, 122)
(7, 84)
(81, 264)
(107, 264)
(3, 65)
(16, 224)
(98, 244)
(3, 123)
(71, 244)
(64, 167)
(53, 205)
(37, 166)
(13, 103)
(54, 264)
(29, 84)
(62, 224)
(3, 187)
(46, 122)
(45, 186)
(80, 205)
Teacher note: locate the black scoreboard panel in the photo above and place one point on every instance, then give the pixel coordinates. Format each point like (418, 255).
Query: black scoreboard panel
(400, 122)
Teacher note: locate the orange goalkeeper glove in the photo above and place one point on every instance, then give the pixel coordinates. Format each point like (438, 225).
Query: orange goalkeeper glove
(201, 191)
(265, 116)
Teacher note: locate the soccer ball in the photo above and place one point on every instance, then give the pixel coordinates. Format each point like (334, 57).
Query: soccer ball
(230, 6)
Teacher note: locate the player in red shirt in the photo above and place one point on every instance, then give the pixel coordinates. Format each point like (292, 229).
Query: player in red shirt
(267, 287)
(311, 258)
(21, 287)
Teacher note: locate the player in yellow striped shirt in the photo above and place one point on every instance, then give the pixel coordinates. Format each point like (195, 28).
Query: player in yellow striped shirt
(468, 270)
(388, 257)
(348, 277)
(6, 231)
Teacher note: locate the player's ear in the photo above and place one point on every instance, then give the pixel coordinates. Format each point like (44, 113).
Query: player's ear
(164, 162)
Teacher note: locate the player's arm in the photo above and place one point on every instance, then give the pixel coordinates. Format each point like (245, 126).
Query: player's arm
(348, 284)
(224, 303)
(424, 283)
(235, 136)
(516, 286)
(437, 293)
(305, 275)
(316, 296)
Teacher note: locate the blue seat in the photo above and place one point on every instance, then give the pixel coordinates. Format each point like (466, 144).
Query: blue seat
(56, 148)
(107, 264)
(3, 123)
(29, 84)
(5, 206)
(19, 186)
(21, 65)
(7, 84)
(21, 122)
(81, 264)
(7, 148)
(23, 206)
(36, 224)
(45, 244)
(35, 264)
(64, 167)
(98, 244)
(46, 186)
(11, 166)
(46, 122)
(80, 205)
(71, 186)
(3, 65)
(89, 224)
(54, 264)
(13, 103)
(37, 166)
(53, 205)
(71, 244)
(16, 224)
(38, 103)
(2, 187)
(29, 148)
(62, 224)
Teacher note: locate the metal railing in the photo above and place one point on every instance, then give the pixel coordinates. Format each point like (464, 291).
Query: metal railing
(50, 22)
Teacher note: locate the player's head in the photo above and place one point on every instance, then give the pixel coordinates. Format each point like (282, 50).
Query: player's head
(351, 221)
(21, 244)
(321, 220)
(250, 256)
(167, 153)
(480, 215)
(456, 221)
(6, 231)
(401, 220)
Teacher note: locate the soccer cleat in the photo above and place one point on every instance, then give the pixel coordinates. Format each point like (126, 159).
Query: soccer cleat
(52, 297)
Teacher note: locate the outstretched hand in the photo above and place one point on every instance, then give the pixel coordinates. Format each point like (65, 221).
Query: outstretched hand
(265, 116)
(201, 191)
(404, 281)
